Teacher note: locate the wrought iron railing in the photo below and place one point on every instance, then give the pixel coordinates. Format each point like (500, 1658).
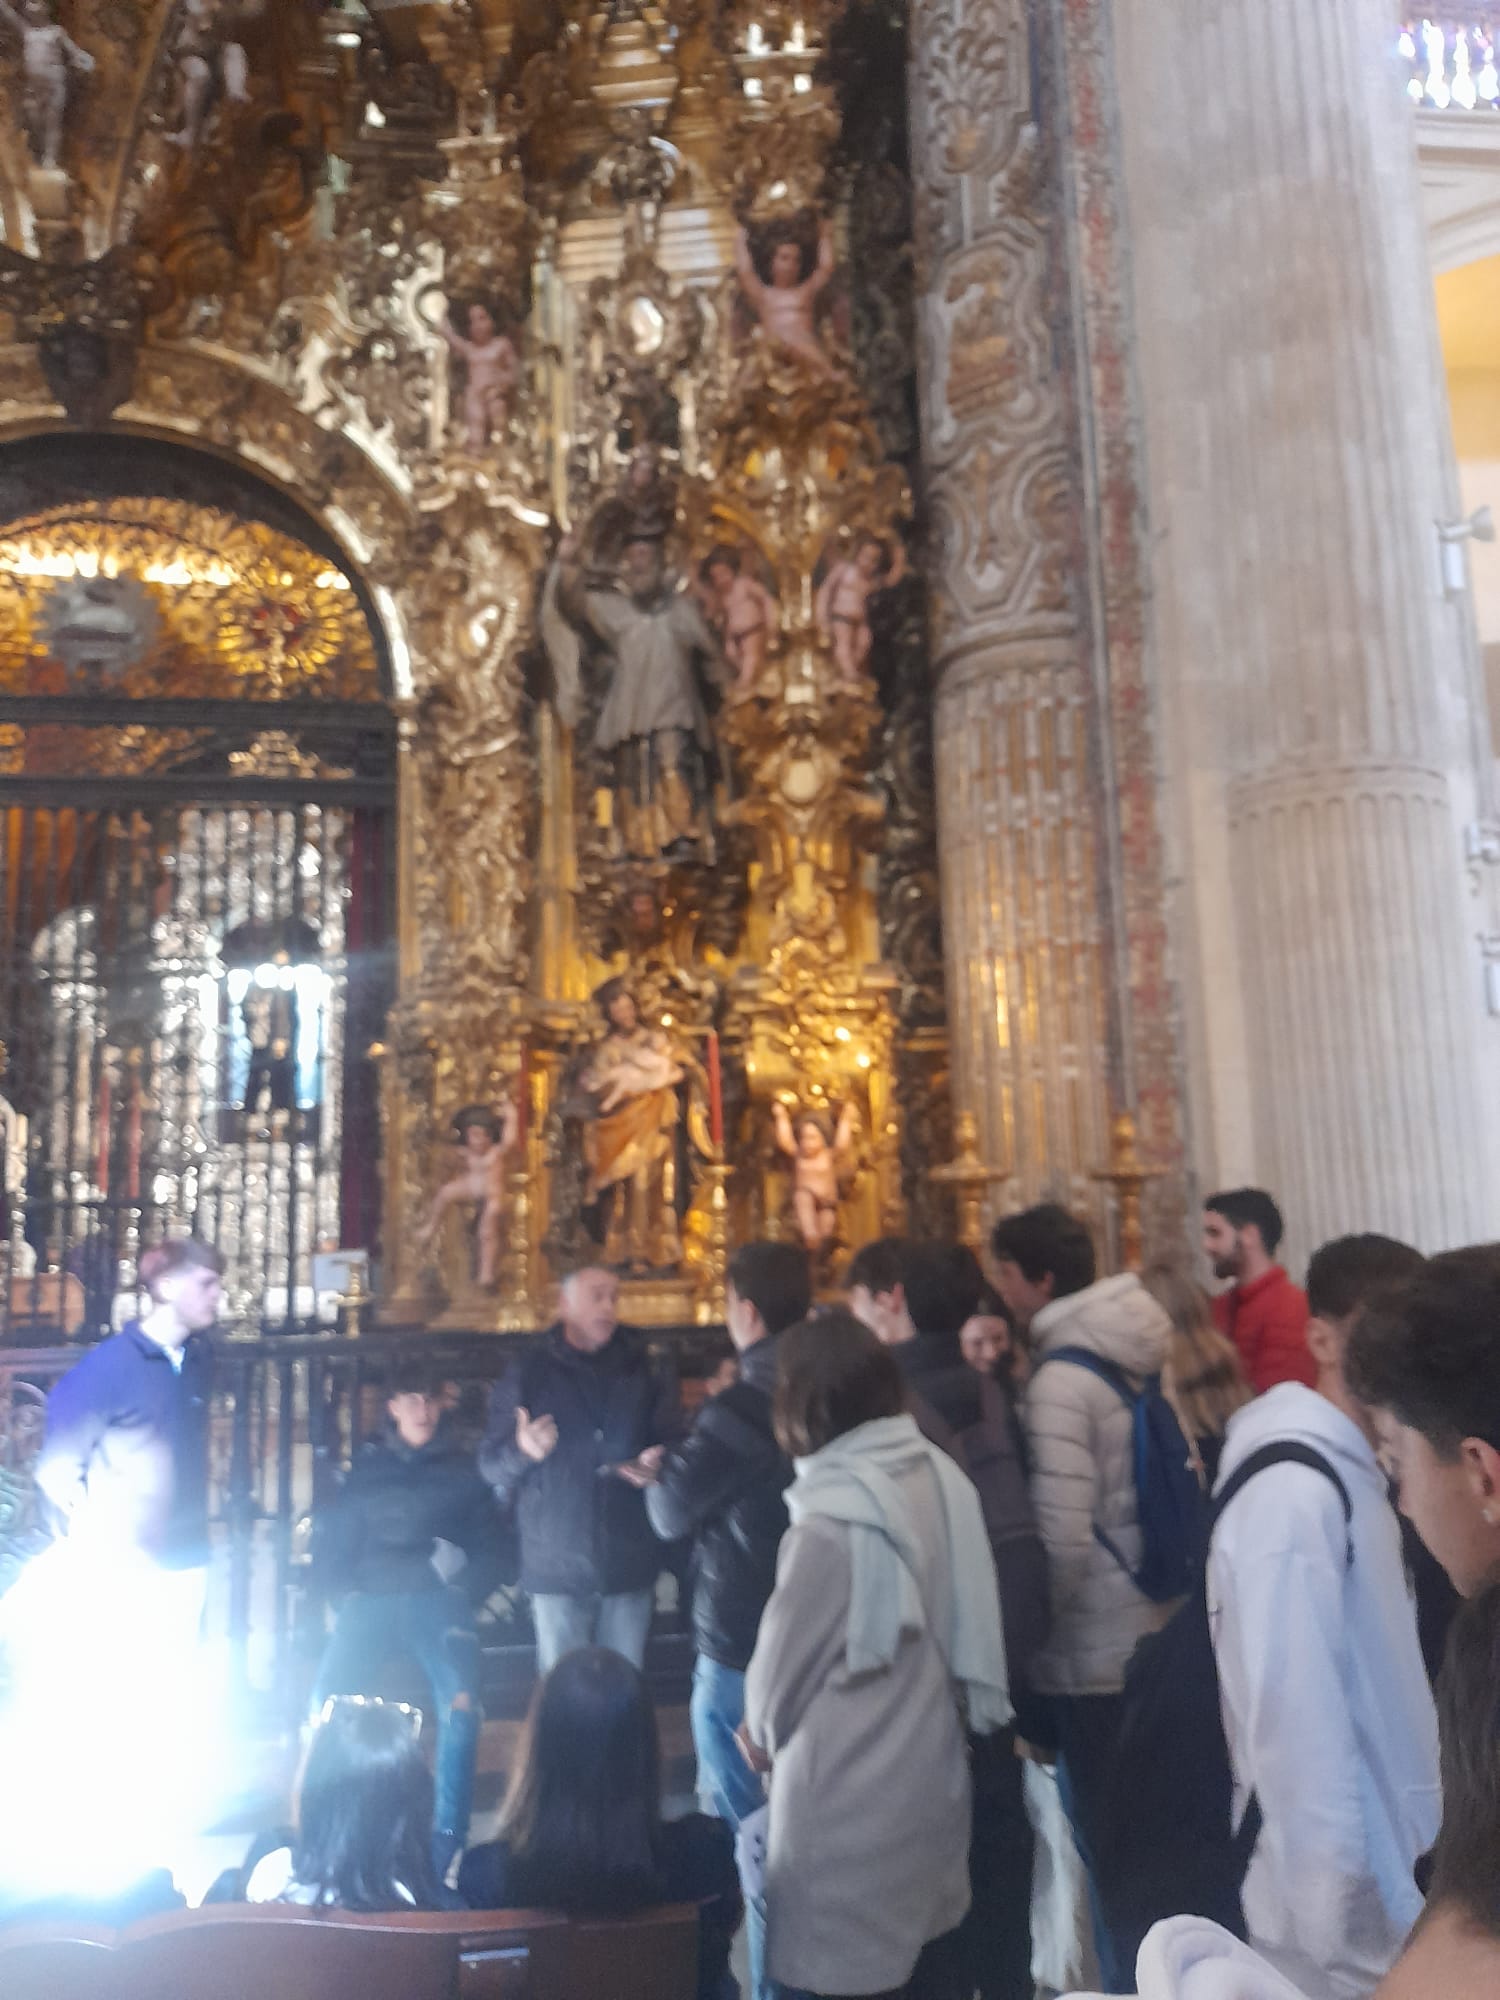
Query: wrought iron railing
(1453, 59)
(287, 1415)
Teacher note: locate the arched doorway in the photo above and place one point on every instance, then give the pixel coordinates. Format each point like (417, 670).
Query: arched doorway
(196, 810)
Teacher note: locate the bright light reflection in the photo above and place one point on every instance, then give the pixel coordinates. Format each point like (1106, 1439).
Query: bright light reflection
(113, 1738)
(24, 559)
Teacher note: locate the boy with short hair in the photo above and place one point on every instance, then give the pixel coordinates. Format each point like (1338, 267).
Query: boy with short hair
(1080, 1433)
(412, 1500)
(1327, 1711)
(723, 1486)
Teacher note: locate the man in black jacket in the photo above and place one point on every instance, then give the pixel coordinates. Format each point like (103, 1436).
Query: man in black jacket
(915, 1298)
(410, 1502)
(723, 1485)
(576, 1425)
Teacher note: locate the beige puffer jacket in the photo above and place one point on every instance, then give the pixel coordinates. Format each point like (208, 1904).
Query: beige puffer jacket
(1082, 1476)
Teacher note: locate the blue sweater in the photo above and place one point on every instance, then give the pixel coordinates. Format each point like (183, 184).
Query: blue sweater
(127, 1434)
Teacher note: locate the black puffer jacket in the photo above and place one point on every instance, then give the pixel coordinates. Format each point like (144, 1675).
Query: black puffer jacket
(379, 1532)
(978, 1413)
(724, 1486)
(583, 1530)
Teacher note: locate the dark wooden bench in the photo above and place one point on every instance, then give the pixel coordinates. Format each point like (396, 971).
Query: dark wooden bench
(276, 1951)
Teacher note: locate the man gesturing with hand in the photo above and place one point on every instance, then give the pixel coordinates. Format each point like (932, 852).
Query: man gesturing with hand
(536, 1436)
(573, 1432)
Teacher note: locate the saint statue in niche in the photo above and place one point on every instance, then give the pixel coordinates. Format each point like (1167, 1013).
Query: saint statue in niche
(782, 288)
(653, 727)
(643, 508)
(632, 1111)
(822, 1158)
(484, 1143)
(742, 611)
(842, 606)
(492, 369)
(48, 56)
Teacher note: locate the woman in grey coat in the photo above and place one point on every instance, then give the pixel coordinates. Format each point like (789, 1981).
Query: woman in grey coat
(881, 1644)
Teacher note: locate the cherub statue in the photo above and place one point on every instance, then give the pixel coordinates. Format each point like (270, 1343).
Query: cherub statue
(48, 53)
(743, 613)
(821, 1157)
(842, 609)
(484, 1143)
(206, 50)
(492, 369)
(786, 306)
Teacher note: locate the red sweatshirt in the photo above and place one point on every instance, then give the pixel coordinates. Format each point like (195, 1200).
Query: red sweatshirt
(1267, 1321)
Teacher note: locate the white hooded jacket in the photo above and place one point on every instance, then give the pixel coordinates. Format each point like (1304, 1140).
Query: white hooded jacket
(1327, 1709)
(1079, 1431)
(1188, 1958)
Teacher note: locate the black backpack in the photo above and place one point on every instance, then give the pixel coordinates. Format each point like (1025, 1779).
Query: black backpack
(1170, 1792)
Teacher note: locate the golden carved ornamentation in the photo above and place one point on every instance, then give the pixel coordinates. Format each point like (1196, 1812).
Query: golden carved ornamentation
(642, 332)
(479, 214)
(1129, 1176)
(275, 754)
(464, 588)
(970, 1177)
(797, 475)
(314, 242)
(187, 600)
(86, 319)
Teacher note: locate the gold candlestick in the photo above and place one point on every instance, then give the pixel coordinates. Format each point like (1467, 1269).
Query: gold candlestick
(969, 1177)
(517, 1312)
(713, 1278)
(352, 1297)
(1128, 1177)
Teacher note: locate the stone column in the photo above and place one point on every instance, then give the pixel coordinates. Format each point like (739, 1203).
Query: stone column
(1319, 687)
(1017, 774)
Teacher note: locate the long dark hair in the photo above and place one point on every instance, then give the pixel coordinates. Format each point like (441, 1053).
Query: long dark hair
(364, 1812)
(583, 1813)
(832, 1375)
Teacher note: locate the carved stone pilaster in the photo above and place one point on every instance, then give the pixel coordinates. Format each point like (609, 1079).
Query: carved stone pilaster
(1019, 837)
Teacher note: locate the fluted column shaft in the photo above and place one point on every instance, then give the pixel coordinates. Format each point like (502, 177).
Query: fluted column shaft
(1319, 686)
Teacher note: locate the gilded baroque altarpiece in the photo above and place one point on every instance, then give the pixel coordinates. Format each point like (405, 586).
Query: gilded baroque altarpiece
(581, 332)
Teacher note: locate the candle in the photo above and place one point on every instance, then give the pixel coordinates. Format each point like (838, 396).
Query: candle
(133, 1131)
(106, 1115)
(715, 1092)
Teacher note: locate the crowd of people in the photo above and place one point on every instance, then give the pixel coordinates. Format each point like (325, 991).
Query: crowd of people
(1049, 1627)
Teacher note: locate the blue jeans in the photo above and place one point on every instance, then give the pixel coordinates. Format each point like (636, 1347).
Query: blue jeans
(434, 1628)
(563, 1624)
(727, 1787)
